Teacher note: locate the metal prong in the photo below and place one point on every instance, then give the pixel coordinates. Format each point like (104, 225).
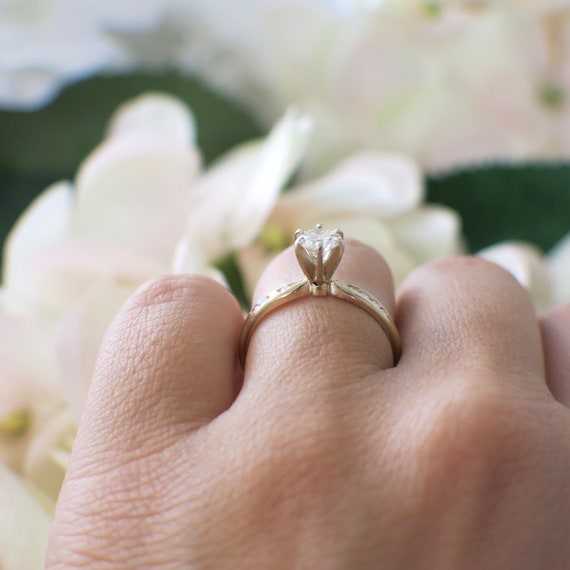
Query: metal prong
(320, 267)
(333, 261)
(298, 232)
(319, 226)
(339, 233)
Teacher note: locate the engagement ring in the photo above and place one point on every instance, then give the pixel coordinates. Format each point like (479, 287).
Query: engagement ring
(319, 252)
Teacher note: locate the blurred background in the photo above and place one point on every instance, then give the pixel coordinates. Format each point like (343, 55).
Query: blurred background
(529, 202)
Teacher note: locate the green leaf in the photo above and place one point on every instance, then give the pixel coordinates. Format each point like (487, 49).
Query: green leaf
(229, 266)
(529, 203)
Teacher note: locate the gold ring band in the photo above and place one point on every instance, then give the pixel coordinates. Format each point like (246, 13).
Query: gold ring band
(319, 252)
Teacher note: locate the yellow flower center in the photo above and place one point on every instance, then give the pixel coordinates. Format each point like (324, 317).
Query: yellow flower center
(273, 238)
(15, 424)
(433, 8)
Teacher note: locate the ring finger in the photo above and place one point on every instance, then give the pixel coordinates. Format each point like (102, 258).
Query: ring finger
(316, 340)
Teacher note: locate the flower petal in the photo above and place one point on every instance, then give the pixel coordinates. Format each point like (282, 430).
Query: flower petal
(154, 115)
(59, 277)
(526, 264)
(45, 222)
(29, 384)
(428, 233)
(24, 525)
(79, 337)
(377, 184)
(190, 259)
(47, 456)
(238, 193)
(134, 190)
(377, 234)
(559, 267)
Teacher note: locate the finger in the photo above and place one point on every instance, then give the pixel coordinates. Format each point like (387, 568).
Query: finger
(467, 314)
(555, 329)
(167, 365)
(322, 339)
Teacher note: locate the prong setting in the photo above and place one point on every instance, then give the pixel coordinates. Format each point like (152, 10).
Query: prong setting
(319, 252)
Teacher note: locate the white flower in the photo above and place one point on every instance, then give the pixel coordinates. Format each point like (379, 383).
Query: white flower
(526, 263)
(374, 197)
(122, 220)
(234, 198)
(30, 391)
(24, 525)
(445, 82)
(45, 44)
(72, 259)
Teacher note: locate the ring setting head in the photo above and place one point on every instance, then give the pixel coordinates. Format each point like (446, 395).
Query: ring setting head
(319, 252)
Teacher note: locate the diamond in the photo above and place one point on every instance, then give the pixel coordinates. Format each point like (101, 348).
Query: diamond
(312, 240)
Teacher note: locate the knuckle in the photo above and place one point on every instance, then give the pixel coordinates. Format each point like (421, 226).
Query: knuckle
(478, 431)
(467, 441)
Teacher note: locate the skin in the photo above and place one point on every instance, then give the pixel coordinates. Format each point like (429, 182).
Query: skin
(322, 455)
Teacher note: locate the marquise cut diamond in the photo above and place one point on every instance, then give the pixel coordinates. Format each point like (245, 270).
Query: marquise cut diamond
(312, 240)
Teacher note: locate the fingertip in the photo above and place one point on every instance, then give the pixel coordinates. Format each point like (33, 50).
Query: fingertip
(200, 291)
(456, 267)
(471, 312)
(169, 358)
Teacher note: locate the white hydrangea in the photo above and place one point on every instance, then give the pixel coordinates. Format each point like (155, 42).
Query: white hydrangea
(448, 83)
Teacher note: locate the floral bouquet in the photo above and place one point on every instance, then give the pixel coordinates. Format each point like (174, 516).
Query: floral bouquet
(424, 128)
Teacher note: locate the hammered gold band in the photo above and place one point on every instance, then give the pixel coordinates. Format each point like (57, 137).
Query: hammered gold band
(319, 252)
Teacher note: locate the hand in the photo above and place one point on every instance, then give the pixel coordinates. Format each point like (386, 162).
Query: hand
(326, 457)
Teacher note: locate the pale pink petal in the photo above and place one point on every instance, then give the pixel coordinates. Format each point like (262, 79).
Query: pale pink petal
(80, 334)
(154, 115)
(526, 264)
(428, 233)
(378, 235)
(238, 193)
(190, 259)
(60, 276)
(30, 389)
(44, 223)
(378, 184)
(48, 453)
(24, 525)
(559, 267)
(134, 192)
(217, 192)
